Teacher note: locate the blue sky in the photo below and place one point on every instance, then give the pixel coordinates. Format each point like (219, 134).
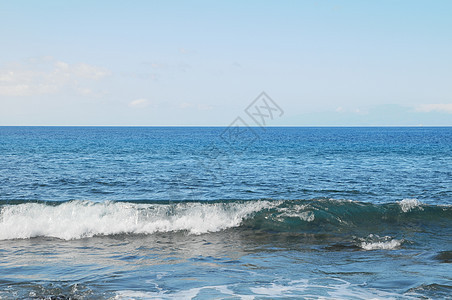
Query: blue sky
(203, 62)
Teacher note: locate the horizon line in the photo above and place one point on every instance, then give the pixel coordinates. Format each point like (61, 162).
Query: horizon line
(254, 126)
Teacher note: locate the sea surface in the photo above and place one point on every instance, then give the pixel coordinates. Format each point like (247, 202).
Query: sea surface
(225, 213)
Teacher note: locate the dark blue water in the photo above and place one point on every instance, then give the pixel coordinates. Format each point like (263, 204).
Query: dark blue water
(172, 212)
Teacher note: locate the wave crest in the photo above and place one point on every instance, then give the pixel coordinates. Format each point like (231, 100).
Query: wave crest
(408, 204)
(81, 219)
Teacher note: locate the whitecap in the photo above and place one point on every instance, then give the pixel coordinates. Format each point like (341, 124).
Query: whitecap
(81, 219)
(375, 242)
(408, 204)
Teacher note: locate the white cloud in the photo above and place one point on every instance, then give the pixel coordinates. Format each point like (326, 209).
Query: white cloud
(48, 76)
(27, 89)
(139, 103)
(89, 72)
(440, 107)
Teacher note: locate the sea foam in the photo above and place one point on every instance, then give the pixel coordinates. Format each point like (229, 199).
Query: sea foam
(375, 242)
(81, 219)
(320, 288)
(408, 204)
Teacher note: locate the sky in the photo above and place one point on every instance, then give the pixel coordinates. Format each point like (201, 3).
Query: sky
(202, 63)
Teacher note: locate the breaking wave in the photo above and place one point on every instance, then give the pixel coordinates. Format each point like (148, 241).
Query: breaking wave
(84, 219)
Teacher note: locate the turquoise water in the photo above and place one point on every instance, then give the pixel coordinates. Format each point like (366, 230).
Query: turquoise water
(158, 212)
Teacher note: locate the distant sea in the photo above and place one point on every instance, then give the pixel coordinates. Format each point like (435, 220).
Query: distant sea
(225, 213)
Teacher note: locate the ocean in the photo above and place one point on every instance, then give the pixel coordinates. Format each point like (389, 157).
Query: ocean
(225, 212)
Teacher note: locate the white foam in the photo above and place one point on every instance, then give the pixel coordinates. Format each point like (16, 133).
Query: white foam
(408, 204)
(393, 244)
(185, 294)
(79, 219)
(374, 242)
(323, 288)
(307, 216)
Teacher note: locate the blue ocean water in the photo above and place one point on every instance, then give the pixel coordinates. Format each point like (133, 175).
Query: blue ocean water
(221, 212)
